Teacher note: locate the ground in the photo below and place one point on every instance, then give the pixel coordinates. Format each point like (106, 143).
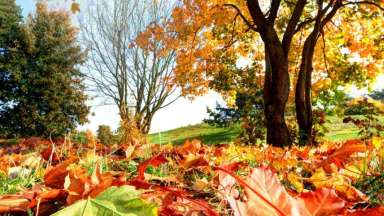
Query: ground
(337, 131)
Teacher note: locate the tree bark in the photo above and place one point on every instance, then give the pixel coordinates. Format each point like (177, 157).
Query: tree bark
(276, 90)
(303, 99)
(276, 86)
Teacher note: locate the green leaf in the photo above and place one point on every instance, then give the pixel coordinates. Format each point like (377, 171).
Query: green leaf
(117, 201)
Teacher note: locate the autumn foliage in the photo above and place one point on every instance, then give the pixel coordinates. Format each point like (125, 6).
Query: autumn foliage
(199, 179)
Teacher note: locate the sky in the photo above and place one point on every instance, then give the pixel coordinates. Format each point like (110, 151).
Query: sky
(181, 113)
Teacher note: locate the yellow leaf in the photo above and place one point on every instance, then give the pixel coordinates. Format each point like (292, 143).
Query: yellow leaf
(295, 181)
(377, 142)
(200, 184)
(351, 171)
(75, 7)
(319, 178)
(350, 193)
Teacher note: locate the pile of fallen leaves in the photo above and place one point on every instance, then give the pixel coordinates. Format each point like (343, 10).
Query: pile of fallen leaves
(194, 179)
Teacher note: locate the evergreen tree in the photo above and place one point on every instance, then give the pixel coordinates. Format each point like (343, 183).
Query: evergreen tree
(45, 95)
(10, 21)
(10, 18)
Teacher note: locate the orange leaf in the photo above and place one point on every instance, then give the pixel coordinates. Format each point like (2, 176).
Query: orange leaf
(323, 201)
(265, 195)
(194, 161)
(54, 177)
(190, 147)
(341, 155)
(154, 161)
(369, 212)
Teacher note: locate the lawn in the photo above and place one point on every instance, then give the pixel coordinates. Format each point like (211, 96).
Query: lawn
(204, 132)
(337, 131)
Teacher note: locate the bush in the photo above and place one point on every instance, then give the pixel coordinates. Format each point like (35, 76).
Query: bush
(105, 135)
(356, 109)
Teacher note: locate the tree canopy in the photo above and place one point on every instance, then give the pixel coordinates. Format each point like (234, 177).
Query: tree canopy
(300, 46)
(42, 89)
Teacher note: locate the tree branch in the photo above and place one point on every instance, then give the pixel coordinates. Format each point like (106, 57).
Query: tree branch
(291, 27)
(256, 13)
(273, 11)
(247, 22)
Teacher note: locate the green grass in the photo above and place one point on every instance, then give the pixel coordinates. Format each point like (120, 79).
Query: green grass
(337, 131)
(16, 183)
(208, 134)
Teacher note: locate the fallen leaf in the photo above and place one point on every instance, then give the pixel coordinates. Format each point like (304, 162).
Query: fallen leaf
(13, 203)
(322, 201)
(379, 210)
(265, 195)
(340, 156)
(154, 161)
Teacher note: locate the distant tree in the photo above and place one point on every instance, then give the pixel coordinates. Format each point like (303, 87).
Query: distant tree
(44, 94)
(222, 116)
(126, 65)
(377, 95)
(10, 24)
(105, 135)
(247, 111)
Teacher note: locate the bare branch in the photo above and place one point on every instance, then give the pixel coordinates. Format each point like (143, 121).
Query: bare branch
(121, 70)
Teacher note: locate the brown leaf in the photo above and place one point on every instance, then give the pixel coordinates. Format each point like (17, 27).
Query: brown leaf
(379, 210)
(48, 154)
(13, 203)
(54, 177)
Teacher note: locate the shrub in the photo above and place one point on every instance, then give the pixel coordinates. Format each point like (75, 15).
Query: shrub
(105, 135)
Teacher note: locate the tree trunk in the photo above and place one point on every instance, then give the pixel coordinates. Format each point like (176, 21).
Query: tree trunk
(303, 99)
(276, 90)
(145, 124)
(276, 86)
(130, 133)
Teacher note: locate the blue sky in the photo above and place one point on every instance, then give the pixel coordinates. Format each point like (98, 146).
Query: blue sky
(26, 5)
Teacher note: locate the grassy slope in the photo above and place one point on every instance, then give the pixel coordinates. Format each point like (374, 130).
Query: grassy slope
(338, 131)
(208, 134)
